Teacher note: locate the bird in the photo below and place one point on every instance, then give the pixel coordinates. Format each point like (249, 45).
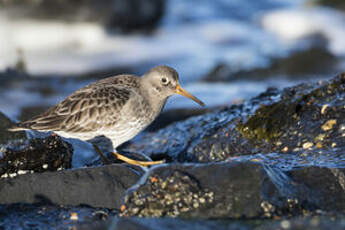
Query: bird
(117, 108)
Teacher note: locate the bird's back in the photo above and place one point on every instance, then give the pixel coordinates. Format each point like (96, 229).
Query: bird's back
(111, 106)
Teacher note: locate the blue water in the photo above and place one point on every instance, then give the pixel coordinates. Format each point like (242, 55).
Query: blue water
(193, 37)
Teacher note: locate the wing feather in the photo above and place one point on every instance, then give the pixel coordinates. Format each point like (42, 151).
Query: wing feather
(85, 110)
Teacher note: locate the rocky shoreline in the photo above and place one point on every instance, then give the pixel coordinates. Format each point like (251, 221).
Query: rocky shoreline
(274, 162)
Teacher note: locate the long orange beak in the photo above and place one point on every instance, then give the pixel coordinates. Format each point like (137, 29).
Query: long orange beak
(183, 92)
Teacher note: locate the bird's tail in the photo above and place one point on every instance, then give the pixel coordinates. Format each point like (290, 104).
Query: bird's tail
(17, 127)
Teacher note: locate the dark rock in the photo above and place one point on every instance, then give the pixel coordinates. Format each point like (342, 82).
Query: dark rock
(126, 15)
(337, 4)
(48, 217)
(305, 119)
(171, 223)
(233, 190)
(313, 61)
(307, 223)
(220, 73)
(36, 155)
(325, 186)
(5, 135)
(136, 14)
(316, 60)
(297, 223)
(11, 74)
(96, 187)
(227, 190)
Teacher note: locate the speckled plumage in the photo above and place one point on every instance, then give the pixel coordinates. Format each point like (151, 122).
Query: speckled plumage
(117, 107)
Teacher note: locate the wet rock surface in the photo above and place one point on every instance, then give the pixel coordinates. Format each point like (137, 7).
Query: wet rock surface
(115, 14)
(324, 187)
(46, 217)
(308, 223)
(97, 187)
(171, 223)
(276, 156)
(305, 119)
(35, 155)
(233, 190)
(223, 190)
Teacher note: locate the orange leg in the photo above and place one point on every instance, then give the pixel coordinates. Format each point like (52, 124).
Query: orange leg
(135, 162)
(126, 159)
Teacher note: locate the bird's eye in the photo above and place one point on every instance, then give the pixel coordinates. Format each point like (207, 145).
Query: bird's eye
(165, 81)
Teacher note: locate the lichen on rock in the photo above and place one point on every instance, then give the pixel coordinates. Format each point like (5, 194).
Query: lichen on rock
(174, 195)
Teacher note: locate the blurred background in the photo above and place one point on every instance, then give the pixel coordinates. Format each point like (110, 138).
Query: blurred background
(226, 51)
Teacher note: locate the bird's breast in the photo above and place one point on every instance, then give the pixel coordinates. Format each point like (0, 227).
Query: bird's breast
(135, 116)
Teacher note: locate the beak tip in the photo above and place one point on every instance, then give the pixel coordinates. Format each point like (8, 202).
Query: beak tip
(181, 91)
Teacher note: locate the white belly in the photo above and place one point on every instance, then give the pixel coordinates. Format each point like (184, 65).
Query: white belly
(117, 135)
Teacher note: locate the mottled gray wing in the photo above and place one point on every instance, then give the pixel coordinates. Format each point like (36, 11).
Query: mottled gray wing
(87, 109)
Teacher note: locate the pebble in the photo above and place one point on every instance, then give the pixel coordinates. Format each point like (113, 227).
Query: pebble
(308, 145)
(315, 222)
(4, 175)
(74, 216)
(12, 175)
(329, 125)
(320, 137)
(319, 145)
(285, 224)
(21, 172)
(323, 109)
(285, 149)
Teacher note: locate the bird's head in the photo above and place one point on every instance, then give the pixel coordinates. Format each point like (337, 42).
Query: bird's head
(164, 82)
